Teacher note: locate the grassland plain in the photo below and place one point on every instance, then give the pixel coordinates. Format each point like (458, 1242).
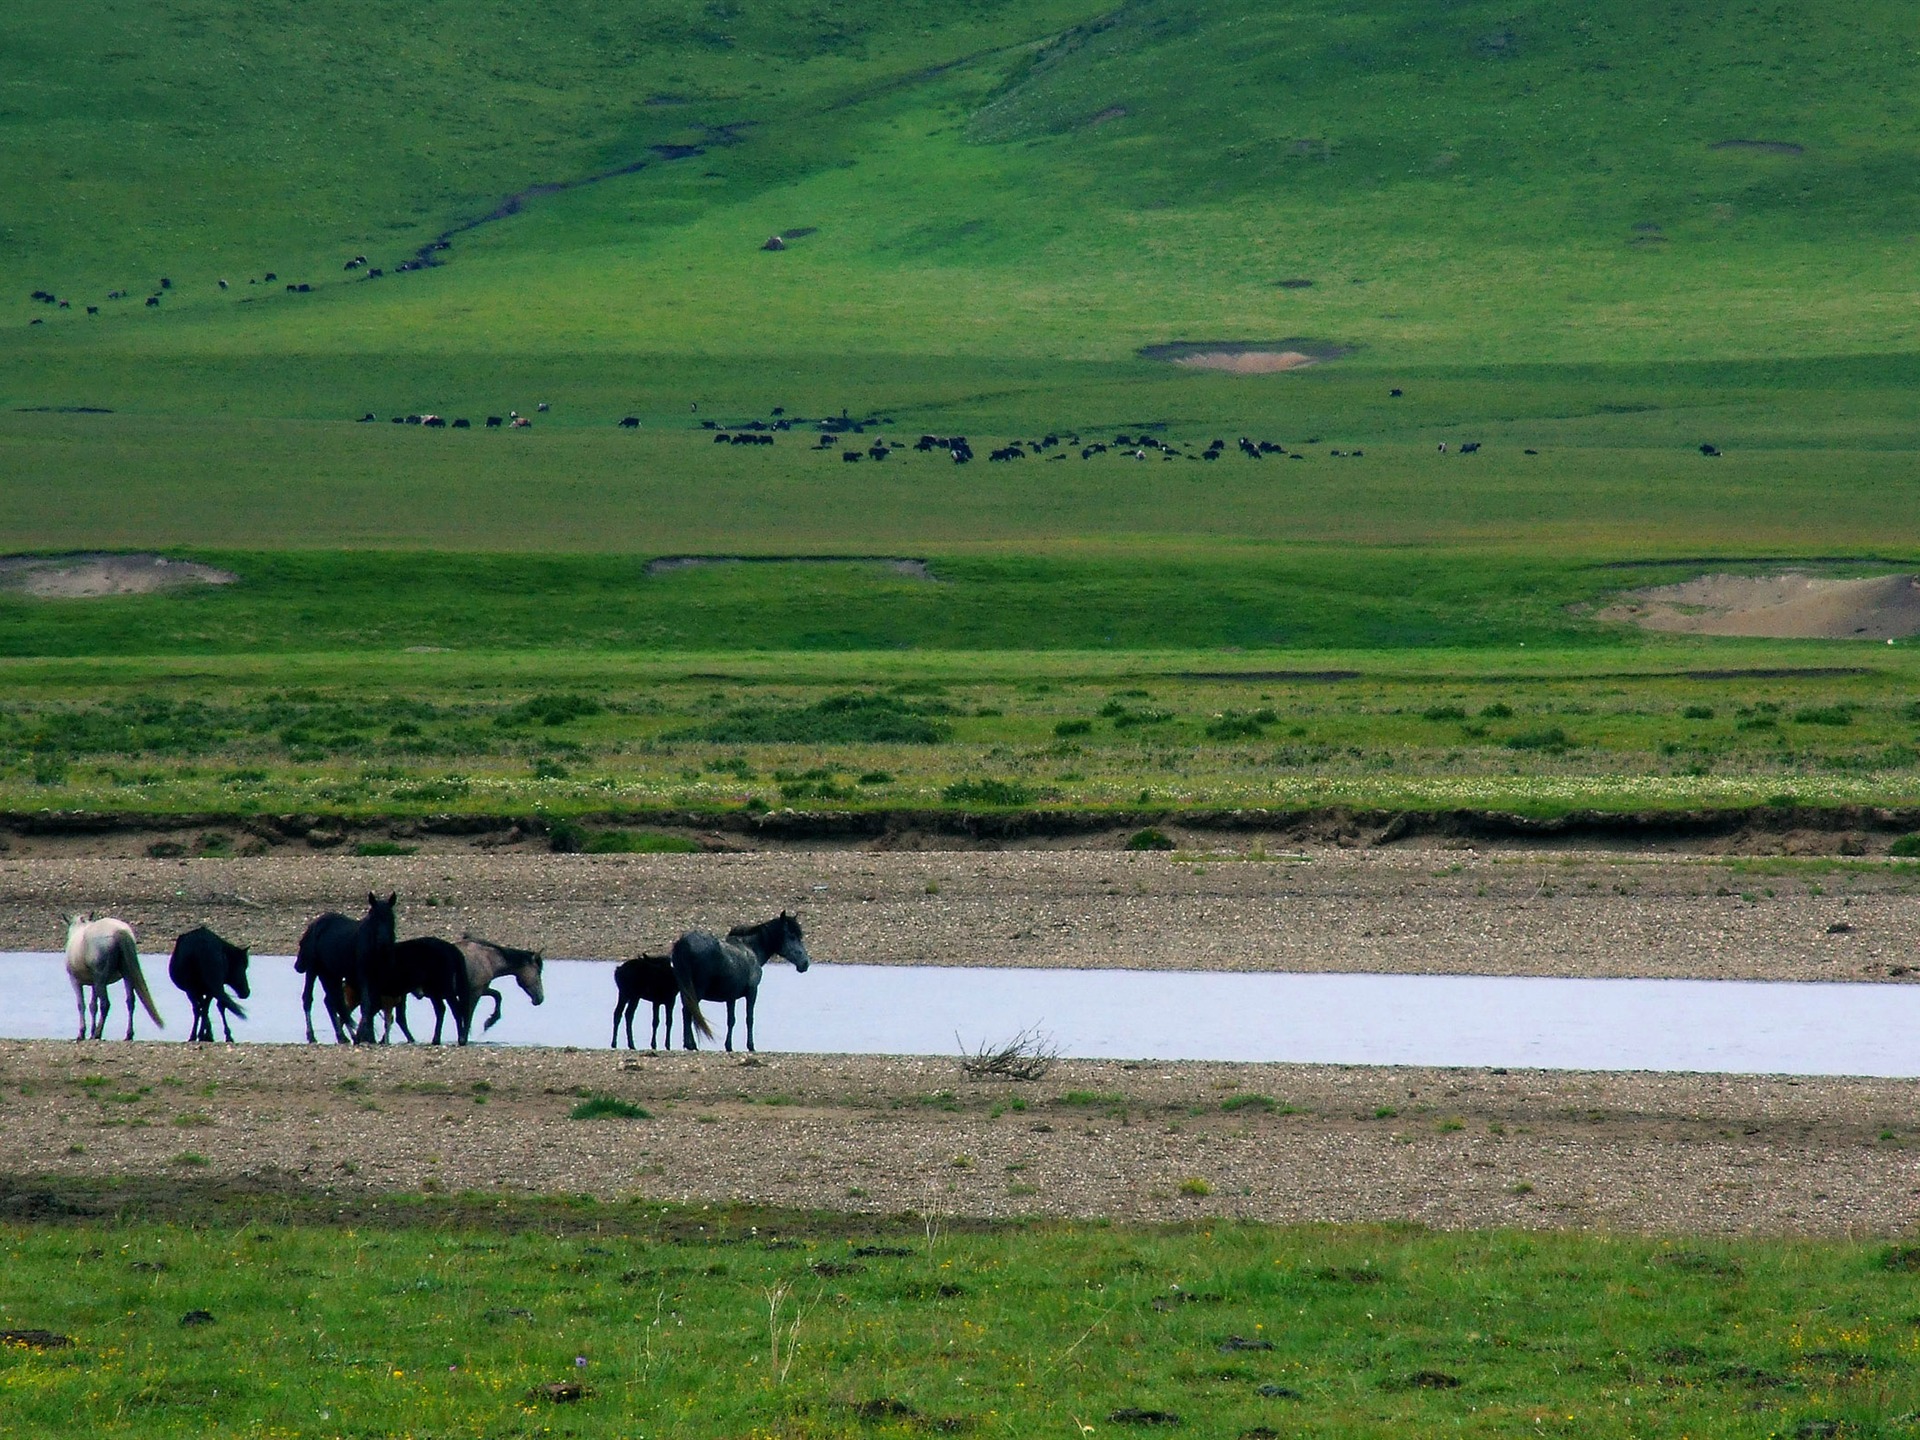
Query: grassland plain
(619, 739)
(429, 1318)
(1605, 237)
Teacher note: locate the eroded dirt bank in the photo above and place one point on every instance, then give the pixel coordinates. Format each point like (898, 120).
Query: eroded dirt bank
(1449, 1148)
(1397, 909)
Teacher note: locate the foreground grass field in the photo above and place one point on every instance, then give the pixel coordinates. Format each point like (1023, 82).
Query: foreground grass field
(437, 1318)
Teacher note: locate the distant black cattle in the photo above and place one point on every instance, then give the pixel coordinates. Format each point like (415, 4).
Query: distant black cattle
(631, 422)
(463, 423)
(850, 457)
(494, 422)
(723, 439)
(399, 419)
(93, 309)
(877, 451)
(1469, 447)
(375, 274)
(165, 283)
(1394, 393)
(543, 407)
(270, 277)
(36, 321)
(367, 418)
(415, 419)
(223, 284)
(1709, 450)
(152, 300)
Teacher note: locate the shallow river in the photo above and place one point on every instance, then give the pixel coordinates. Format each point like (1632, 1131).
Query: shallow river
(1697, 1025)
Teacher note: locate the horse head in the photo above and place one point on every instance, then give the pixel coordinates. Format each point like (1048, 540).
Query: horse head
(793, 945)
(378, 929)
(528, 968)
(237, 970)
(77, 921)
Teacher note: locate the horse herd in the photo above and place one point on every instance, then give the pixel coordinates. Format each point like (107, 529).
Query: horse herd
(364, 973)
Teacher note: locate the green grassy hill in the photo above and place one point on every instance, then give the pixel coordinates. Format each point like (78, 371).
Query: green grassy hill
(1042, 183)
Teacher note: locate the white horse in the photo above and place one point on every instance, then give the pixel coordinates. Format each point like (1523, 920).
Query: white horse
(99, 952)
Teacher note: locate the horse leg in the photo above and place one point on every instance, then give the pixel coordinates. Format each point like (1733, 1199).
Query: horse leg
(225, 1025)
(80, 1004)
(400, 1014)
(306, 1004)
(131, 1007)
(495, 994)
(102, 1007)
(618, 1005)
(439, 1017)
(729, 1026)
(462, 1024)
(752, 995)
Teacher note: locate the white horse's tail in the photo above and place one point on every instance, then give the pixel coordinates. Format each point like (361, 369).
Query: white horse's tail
(130, 962)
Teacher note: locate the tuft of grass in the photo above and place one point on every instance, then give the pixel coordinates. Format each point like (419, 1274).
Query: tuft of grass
(1193, 1185)
(370, 848)
(608, 1107)
(1149, 839)
(1905, 847)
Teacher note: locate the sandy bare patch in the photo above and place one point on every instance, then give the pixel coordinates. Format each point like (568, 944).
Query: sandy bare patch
(92, 576)
(1244, 357)
(1793, 606)
(1250, 362)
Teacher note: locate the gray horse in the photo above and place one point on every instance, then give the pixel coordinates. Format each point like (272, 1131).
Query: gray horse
(100, 954)
(487, 962)
(709, 968)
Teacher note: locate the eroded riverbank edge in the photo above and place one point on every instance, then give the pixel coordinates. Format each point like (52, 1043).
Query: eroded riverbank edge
(877, 1136)
(1780, 826)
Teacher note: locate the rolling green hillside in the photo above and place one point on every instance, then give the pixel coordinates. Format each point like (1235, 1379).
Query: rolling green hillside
(1470, 182)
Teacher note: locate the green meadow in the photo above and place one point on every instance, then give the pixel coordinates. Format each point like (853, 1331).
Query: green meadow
(454, 1317)
(1589, 240)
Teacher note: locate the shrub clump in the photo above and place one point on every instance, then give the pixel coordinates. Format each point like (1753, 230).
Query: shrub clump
(1907, 846)
(1150, 839)
(988, 792)
(855, 719)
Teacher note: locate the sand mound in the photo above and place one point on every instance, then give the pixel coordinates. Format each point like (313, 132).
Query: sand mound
(88, 577)
(1792, 606)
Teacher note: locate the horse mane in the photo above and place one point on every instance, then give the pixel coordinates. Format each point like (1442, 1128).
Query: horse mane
(758, 928)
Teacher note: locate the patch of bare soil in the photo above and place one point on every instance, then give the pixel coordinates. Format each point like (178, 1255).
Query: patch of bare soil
(1244, 357)
(91, 576)
(877, 1136)
(913, 569)
(1793, 605)
(1403, 910)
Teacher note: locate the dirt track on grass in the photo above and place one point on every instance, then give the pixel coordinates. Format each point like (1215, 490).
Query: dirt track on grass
(1398, 909)
(1151, 1142)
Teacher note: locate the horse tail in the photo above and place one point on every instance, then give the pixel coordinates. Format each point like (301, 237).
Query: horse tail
(130, 962)
(690, 1003)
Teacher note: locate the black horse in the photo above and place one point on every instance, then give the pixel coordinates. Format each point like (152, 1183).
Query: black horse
(429, 967)
(206, 967)
(336, 952)
(645, 977)
(709, 968)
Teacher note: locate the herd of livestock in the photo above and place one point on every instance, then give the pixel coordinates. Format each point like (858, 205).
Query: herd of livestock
(364, 973)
